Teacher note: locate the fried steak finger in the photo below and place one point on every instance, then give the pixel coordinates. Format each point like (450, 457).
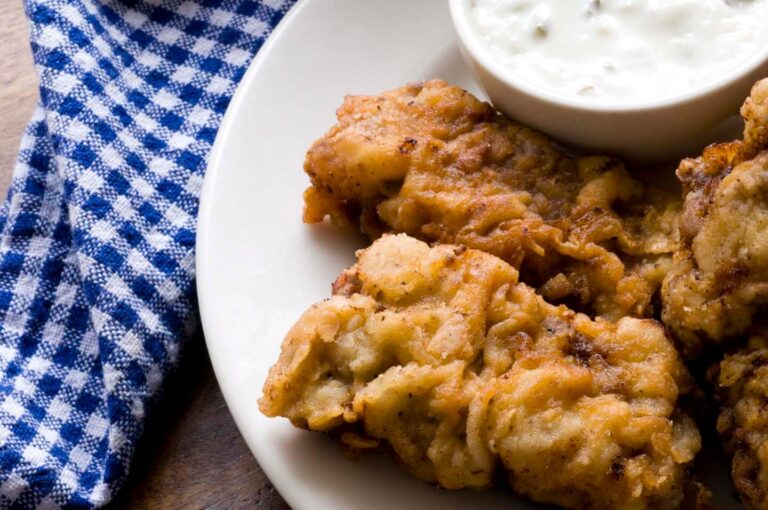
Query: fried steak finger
(441, 355)
(718, 289)
(432, 161)
(719, 283)
(755, 113)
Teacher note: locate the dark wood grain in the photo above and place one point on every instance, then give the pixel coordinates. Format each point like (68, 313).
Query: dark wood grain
(192, 455)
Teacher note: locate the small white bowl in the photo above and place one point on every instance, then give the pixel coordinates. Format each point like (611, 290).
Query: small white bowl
(648, 131)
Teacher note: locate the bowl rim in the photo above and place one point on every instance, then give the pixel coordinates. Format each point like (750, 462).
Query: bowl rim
(479, 51)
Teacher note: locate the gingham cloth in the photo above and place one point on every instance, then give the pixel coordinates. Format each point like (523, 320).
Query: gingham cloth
(97, 234)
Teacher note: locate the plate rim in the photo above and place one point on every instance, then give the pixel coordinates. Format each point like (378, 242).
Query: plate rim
(205, 206)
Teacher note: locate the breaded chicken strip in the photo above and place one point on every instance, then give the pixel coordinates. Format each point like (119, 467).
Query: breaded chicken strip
(720, 279)
(441, 355)
(742, 380)
(432, 161)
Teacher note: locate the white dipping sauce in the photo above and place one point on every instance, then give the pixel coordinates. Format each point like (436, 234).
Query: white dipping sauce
(622, 50)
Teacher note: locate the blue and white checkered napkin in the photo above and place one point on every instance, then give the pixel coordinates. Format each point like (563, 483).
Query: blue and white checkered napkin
(98, 231)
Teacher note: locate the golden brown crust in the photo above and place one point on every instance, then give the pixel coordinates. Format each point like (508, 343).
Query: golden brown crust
(719, 281)
(742, 380)
(373, 144)
(442, 355)
(701, 176)
(755, 113)
(432, 161)
(719, 286)
(721, 278)
(700, 179)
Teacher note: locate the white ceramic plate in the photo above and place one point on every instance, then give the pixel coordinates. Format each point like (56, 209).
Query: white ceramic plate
(259, 267)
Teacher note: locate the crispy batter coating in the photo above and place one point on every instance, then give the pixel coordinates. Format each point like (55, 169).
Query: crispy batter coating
(742, 380)
(755, 113)
(720, 278)
(442, 355)
(719, 286)
(432, 161)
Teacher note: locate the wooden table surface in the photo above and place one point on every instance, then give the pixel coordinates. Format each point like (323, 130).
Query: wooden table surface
(192, 455)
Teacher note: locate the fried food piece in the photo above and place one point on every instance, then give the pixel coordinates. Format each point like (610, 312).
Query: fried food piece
(720, 278)
(742, 380)
(442, 355)
(432, 161)
(755, 113)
